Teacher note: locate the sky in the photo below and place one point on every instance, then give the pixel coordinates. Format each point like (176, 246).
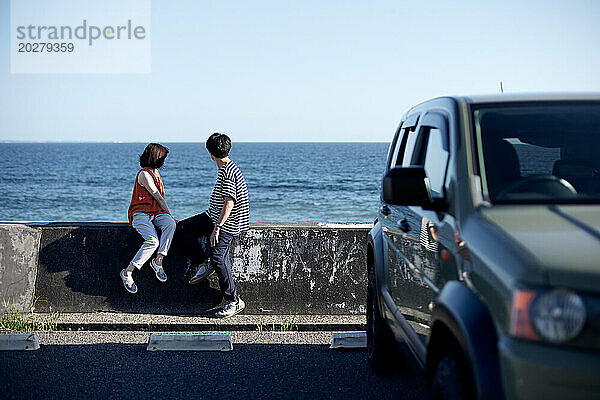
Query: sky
(305, 70)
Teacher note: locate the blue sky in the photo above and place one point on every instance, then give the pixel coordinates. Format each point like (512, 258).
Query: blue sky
(305, 70)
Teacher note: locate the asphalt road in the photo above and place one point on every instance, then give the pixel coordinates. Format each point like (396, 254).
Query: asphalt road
(262, 365)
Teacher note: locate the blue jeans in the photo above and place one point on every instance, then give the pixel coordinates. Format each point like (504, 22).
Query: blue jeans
(188, 232)
(146, 225)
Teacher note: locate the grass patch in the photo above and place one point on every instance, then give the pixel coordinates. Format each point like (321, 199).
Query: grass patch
(15, 320)
(289, 325)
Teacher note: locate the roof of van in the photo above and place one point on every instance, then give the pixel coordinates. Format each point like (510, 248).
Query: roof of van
(514, 97)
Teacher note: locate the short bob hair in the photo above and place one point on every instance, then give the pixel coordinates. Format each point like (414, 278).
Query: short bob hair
(218, 144)
(153, 156)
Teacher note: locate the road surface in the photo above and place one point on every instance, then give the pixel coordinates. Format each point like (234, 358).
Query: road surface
(297, 365)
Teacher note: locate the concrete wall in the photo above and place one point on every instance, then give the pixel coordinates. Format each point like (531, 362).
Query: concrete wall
(19, 247)
(279, 269)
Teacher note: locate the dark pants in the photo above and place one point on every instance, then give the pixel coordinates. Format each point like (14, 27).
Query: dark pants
(187, 234)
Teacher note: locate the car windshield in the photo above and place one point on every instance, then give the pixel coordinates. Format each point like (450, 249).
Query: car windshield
(539, 153)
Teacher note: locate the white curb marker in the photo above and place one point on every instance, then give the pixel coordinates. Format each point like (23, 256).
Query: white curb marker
(189, 342)
(349, 340)
(19, 341)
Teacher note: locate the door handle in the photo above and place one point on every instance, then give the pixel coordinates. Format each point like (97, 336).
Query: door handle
(404, 226)
(385, 210)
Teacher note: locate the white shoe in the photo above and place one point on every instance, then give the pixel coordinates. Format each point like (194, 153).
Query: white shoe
(128, 282)
(159, 271)
(230, 308)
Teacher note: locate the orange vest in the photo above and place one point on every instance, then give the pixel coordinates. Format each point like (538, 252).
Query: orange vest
(142, 200)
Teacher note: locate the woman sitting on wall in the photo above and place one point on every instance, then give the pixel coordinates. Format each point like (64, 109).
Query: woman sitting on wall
(148, 212)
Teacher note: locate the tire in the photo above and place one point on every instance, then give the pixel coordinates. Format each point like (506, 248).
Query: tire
(452, 379)
(381, 344)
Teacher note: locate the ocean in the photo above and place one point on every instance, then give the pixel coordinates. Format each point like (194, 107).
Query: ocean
(287, 182)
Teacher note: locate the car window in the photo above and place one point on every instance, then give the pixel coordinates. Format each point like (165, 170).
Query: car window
(400, 147)
(535, 160)
(539, 153)
(436, 159)
(411, 141)
(393, 150)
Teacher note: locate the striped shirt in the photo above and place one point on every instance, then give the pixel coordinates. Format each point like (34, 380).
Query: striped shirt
(426, 238)
(230, 182)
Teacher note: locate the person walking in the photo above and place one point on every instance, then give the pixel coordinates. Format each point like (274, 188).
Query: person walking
(148, 211)
(227, 216)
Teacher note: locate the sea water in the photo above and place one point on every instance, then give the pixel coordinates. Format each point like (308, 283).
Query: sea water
(287, 182)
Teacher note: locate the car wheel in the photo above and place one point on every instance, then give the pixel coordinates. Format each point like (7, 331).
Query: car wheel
(452, 380)
(381, 346)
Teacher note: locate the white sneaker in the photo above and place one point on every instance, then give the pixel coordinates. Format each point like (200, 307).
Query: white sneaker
(128, 282)
(159, 271)
(230, 308)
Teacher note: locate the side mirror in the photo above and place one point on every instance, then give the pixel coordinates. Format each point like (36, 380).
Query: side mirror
(409, 186)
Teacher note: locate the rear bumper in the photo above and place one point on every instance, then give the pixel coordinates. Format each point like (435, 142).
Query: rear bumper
(535, 371)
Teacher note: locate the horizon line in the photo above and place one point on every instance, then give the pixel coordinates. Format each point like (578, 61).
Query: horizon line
(168, 141)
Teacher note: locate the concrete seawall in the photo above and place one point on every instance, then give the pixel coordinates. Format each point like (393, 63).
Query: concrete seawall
(279, 269)
(19, 247)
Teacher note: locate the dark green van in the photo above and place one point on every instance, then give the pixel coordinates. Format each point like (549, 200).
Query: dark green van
(484, 262)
